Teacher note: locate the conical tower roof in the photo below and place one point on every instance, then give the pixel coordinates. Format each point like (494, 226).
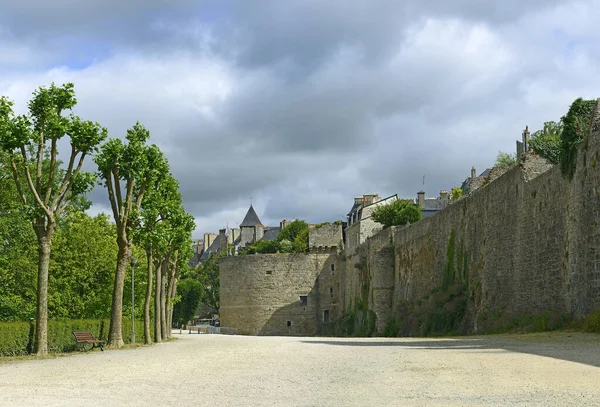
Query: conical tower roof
(251, 219)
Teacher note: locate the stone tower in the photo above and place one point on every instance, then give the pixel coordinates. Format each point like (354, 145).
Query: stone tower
(251, 229)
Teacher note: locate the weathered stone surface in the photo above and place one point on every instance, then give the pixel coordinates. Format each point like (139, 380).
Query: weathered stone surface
(529, 242)
(261, 293)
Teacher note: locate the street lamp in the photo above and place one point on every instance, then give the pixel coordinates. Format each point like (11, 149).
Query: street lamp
(133, 262)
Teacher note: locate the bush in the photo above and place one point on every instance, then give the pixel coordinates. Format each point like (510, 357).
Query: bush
(17, 338)
(441, 312)
(576, 123)
(591, 323)
(546, 142)
(498, 321)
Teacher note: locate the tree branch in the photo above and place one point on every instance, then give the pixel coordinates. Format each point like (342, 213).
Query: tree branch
(63, 184)
(69, 182)
(15, 172)
(112, 199)
(40, 156)
(51, 172)
(32, 187)
(115, 174)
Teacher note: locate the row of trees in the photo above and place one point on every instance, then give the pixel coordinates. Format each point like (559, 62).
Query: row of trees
(144, 197)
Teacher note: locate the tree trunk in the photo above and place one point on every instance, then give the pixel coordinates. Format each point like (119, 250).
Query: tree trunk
(157, 302)
(171, 294)
(163, 288)
(41, 322)
(115, 337)
(148, 297)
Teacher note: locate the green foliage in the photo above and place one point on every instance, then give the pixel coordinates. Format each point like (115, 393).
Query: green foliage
(456, 193)
(264, 246)
(207, 274)
(16, 338)
(292, 230)
(397, 213)
(191, 292)
(300, 243)
(576, 125)
(441, 312)
(591, 323)
(82, 268)
(505, 160)
(498, 321)
(546, 142)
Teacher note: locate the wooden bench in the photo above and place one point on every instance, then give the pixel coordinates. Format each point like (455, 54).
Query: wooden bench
(85, 338)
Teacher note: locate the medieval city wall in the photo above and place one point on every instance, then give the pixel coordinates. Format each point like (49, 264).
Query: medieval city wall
(527, 242)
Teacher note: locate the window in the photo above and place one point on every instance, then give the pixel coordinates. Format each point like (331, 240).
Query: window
(326, 316)
(332, 267)
(269, 272)
(303, 299)
(289, 324)
(331, 291)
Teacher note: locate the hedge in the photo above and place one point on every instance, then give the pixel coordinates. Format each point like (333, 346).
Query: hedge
(17, 338)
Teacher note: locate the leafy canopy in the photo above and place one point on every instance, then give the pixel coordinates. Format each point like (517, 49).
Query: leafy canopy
(546, 142)
(398, 213)
(505, 160)
(576, 126)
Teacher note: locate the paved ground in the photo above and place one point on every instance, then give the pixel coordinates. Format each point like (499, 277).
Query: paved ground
(207, 370)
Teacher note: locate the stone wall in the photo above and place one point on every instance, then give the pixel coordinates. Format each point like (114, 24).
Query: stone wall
(327, 235)
(529, 240)
(261, 293)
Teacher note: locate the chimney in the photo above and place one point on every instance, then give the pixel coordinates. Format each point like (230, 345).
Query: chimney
(421, 199)
(526, 139)
(358, 200)
(283, 223)
(370, 199)
(444, 195)
(222, 241)
(473, 173)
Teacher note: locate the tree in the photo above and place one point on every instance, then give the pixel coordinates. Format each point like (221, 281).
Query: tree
(398, 213)
(456, 193)
(84, 252)
(44, 186)
(190, 291)
(576, 126)
(292, 230)
(208, 275)
(506, 160)
(546, 142)
(264, 246)
(136, 165)
(161, 198)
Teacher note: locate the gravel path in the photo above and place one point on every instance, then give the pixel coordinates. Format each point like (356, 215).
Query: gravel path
(214, 370)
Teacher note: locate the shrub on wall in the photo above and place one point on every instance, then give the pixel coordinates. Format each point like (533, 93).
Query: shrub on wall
(576, 123)
(441, 312)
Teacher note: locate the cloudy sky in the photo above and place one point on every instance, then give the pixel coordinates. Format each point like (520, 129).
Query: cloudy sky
(304, 104)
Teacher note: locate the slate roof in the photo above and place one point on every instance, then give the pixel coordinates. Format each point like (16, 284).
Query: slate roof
(213, 248)
(271, 233)
(251, 219)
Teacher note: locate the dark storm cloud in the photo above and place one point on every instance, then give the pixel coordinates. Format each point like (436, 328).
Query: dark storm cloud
(304, 104)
